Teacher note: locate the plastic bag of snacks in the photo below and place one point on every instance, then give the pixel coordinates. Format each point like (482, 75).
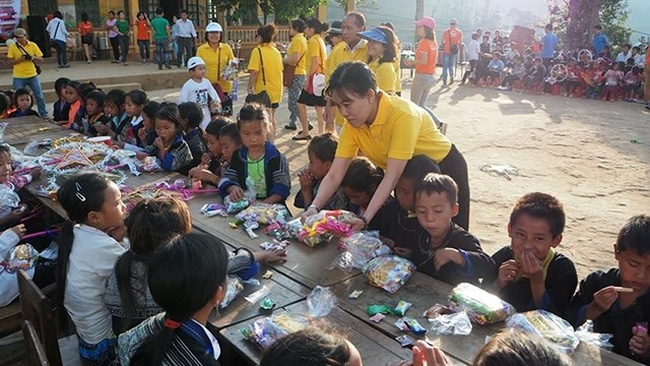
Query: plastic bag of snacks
(263, 213)
(585, 333)
(234, 288)
(547, 325)
(359, 249)
(264, 332)
(324, 225)
(21, 256)
(453, 324)
(481, 306)
(389, 272)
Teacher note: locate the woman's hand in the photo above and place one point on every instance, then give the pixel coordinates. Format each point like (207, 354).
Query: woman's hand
(311, 211)
(357, 224)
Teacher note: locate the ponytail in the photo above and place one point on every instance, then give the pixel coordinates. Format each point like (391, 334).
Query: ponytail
(152, 351)
(66, 237)
(123, 276)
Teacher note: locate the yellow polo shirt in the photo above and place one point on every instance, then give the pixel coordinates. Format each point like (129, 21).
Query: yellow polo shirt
(24, 69)
(398, 73)
(299, 44)
(216, 60)
(272, 60)
(400, 131)
(385, 75)
(329, 63)
(316, 48)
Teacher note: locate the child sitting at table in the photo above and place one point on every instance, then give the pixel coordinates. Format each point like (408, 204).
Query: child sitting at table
(210, 169)
(61, 106)
(191, 118)
(134, 102)
(11, 210)
(169, 145)
(618, 300)
(258, 160)
(359, 185)
(230, 141)
(114, 109)
(321, 152)
(529, 273)
(94, 113)
(187, 278)
(444, 250)
(5, 104)
(147, 134)
(89, 246)
(24, 103)
(399, 229)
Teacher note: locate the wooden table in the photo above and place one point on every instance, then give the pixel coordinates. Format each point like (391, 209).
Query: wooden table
(23, 129)
(375, 348)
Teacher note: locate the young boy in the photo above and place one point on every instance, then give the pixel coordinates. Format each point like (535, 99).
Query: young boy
(210, 169)
(199, 90)
(401, 226)
(230, 141)
(444, 250)
(321, 152)
(617, 301)
(529, 273)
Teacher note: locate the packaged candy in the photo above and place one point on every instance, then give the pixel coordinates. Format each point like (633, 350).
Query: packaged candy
(585, 333)
(389, 272)
(436, 310)
(320, 301)
(258, 295)
(234, 288)
(358, 249)
(21, 256)
(268, 274)
(9, 200)
(401, 325)
(214, 209)
(264, 332)
(481, 306)
(404, 340)
(414, 326)
(263, 213)
(378, 309)
(547, 325)
(377, 317)
(274, 245)
(267, 304)
(234, 207)
(452, 324)
(355, 294)
(325, 225)
(401, 308)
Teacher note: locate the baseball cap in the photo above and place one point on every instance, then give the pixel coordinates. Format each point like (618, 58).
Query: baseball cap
(194, 62)
(374, 34)
(427, 22)
(335, 28)
(20, 32)
(213, 27)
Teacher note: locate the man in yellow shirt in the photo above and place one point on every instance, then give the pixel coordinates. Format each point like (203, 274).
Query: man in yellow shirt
(296, 56)
(24, 55)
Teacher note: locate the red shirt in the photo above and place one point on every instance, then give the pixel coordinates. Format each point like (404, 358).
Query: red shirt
(143, 30)
(430, 48)
(85, 28)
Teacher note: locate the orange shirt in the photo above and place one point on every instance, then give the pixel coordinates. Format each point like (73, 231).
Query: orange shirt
(451, 36)
(74, 108)
(430, 48)
(143, 30)
(85, 28)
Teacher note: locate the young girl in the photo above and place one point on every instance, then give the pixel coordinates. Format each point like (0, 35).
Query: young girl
(74, 101)
(134, 101)
(592, 78)
(61, 106)
(191, 119)
(613, 79)
(83, 90)
(187, 294)
(169, 146)
(147, 134)
(11, 210)
(359, 185)
(5, 104)
(633, 80)
(382, 50)
(89, 245)
(115, 111)
(94, 113)
(24, 102)
(258, 160)
(210, 169)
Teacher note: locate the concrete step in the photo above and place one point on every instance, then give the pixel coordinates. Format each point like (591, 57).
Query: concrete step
(51, 97)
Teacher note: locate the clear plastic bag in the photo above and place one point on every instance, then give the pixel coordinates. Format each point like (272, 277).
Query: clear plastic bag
(389, 272)
(235, 286)
(9, 200)
(547, 325)
(585, 333)
(31, 148)
(481, 306)
(264, 332)
(452, 324)
(320, 301)
(3, 127)
(323, 226)
(359, 249)
(263, 213)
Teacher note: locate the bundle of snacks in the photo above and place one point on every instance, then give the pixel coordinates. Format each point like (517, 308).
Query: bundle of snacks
(481, 306)
(389, 272)
(325, 225)
(547, 325)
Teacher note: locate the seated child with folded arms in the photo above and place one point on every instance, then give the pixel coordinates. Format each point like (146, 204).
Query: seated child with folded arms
(209, 170)
(444, 250)
(258, 160)
(618, 300)
(359, 185)
(529, 273)
(169, 146)
(321, 151)
(191, 118)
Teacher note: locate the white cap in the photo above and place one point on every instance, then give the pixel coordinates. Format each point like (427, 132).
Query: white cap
(194, 62)
(213, 27)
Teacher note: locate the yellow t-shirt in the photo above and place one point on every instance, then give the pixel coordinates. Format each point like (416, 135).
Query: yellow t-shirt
(316, 47)
(385, 75)
(215, 65)
(398, 73)
(24, 69)
(400, 131)
(299, 44)
(329, 63)
(272, 60)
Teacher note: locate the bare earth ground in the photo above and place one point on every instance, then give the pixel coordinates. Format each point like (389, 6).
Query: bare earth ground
(578, 150)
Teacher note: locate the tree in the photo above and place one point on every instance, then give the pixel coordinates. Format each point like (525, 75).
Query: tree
(246, 10)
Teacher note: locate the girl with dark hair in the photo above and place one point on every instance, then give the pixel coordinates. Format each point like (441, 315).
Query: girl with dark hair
(89, 245)
(390, 131)
(113, 36)
(360, 184)
(211, 162)
(94, 113)
(122, 25)
(61, 106)
(312, 347)
(73, 97)
(58, 33)
(426, 57)
(382, 52)
(191, 119)
(296, 58)
(134, 102)
(169, 146)
(181, 335)
(143, 26)
(147, 134)
(85, 28)
(114, 109)
(24, 103)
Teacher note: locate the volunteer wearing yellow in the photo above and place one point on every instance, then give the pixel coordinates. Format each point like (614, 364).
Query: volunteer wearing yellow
(217, 56)
(382, 50)
(24, 55)
(296, 56)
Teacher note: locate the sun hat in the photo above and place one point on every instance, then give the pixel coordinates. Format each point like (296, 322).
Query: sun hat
(20, 32)
(427, 22)
(335, 28)
(194, 62)
(374, 34)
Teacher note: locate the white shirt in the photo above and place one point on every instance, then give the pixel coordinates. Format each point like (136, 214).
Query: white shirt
(56, 29)
(91, 263)
(213, 341)
(639, 60)
(9, 281)
(473, 50)
(186, 28)
(622, 57)
(199, 93)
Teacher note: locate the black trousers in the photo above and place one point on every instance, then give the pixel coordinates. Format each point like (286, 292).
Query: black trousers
(455, 166)
(115, 44)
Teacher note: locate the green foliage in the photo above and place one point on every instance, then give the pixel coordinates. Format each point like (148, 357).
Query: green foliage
(368, 4)
(246, 10)
(613, 18)
(289, 9)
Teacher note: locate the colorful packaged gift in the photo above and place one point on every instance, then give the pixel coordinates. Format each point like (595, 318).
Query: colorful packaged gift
(325, 225)
(481, 306)
(547, 325)
(235, 206)
(263, 213)
(389, 272)
(264, 332)
(358, 249)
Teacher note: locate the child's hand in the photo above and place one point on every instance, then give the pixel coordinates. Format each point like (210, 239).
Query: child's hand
(102, 129)
(531, 266)
(604, 299)
(306, 180)
(446, 255)
(206, 159)
(142, 133)
(271, 256)
(36, 173)
(203, 174)
(119, 144)
(158, 142)
(141, 155)
(640, 342)
(19, 230)
(427, 355)
(236, 193)
(403, 252)
(507, 272)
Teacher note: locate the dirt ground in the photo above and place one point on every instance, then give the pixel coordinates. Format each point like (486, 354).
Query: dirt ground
(577, 150)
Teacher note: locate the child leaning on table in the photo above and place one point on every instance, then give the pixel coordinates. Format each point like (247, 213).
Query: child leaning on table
(11, 210)
(359, 185)
(209, 170)
(257, 160)
(115, 111)
(191, 117)
(444, 250)
(529, 273)
(618, 300)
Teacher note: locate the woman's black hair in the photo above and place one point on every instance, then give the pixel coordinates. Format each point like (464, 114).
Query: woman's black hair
(267, 32)
(150, 109)
(391, 46)
(324, 147)
(253, 112)
(60, 84)
(315, 24)
(84, 17)
(299, 25)
(98, 96)
(116, 97)
(310, 346)
(5, 103)
(351, 77)
(79, 196)
(200, 264)
(120, 12)
(24, 91)
(150, 224)
(519, 349)
(111, 12)
(324, 27)
(231, 130)
(85, 89)
(214, 127)
(169, 112)
(192, 113)
(57, 14)
(363, 176)
(138, 97)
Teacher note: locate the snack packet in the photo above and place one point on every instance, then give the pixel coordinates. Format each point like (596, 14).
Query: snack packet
(235, 286)
(359, 249)
(547, 325)
(325, 225)
(389, 272)
(481, 306)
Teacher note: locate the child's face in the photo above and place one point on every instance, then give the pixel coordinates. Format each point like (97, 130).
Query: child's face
(228, 147)
(166, 130)
(434, 212)
(253, 135)
(111, 109)
(358, 198)
(214, 146)
(404, 193)
(198, 72)
(147, 122)
(5, 167)
(92, 107)
(131, 108)
(634, 269)
(71, 94)
(318, 167)
(24, 101)
(531, 234)
(112, 213)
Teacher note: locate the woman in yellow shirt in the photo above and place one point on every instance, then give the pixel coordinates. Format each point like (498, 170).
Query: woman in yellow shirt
(217, 57)
(265, 67)
(297, 57)
(389, 130)
(382, 50)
